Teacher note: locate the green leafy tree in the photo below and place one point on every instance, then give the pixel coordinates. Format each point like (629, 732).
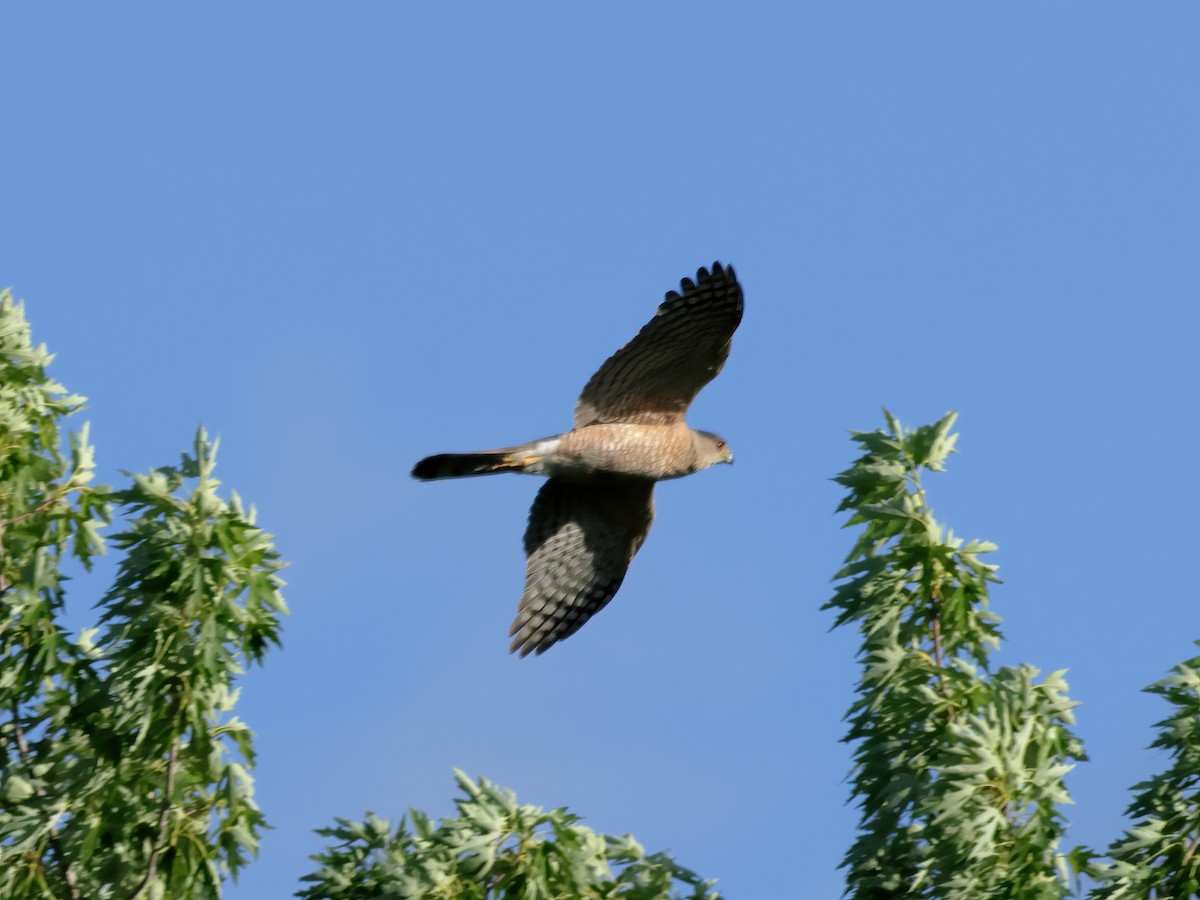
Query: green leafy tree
(1157, 855)
(494, 848)
(122, 772)
(958, 769)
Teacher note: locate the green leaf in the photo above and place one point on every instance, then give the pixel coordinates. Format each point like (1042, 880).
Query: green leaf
(17, 789)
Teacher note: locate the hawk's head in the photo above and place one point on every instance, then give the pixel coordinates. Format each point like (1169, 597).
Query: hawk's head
(710, 449)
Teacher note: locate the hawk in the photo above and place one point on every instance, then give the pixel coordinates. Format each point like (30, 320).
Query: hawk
(592, 515)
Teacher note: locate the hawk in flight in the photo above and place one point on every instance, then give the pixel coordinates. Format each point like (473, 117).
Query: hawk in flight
(593, 513)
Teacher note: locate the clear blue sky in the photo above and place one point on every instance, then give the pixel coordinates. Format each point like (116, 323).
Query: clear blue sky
(347, 235)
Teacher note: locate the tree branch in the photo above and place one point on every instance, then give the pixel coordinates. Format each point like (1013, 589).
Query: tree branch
(56, 848)
(935, 613)
(164, 816)
(1191, 851)
(46, 504)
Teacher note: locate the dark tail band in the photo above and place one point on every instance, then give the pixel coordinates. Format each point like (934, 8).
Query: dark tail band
(460, 465)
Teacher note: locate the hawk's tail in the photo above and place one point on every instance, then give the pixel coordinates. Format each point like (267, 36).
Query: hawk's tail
(459, 465)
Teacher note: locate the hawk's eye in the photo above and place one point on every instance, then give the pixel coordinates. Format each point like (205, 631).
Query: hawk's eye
(720, 444)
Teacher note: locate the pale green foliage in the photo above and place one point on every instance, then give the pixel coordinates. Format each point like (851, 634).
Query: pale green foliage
(958, 770)
(122, 773)
(494, 848)
(1157, 856)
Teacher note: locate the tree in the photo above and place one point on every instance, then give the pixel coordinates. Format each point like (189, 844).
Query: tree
(957, 769)
(1156, 857)
(493, 848)
(123, 772)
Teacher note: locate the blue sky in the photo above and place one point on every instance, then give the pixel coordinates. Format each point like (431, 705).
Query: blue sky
(346, 236)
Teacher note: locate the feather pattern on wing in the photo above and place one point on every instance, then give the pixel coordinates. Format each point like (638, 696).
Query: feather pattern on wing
(654, 378)
(579, 543)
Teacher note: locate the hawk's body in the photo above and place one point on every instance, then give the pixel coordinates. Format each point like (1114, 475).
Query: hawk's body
(590, 453)
(593, 514)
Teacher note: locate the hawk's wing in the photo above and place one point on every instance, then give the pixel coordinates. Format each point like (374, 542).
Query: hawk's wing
(654, 377)
(580, 540)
